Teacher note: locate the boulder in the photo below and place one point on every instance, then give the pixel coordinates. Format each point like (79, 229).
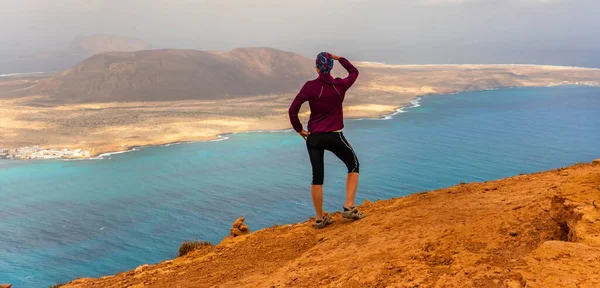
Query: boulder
(239, 228)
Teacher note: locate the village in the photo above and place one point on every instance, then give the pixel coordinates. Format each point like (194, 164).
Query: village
(35, 152)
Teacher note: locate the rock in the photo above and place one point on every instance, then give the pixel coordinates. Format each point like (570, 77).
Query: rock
(5, 285)
(239, 223)
(597, 161)
(239, 228)
(513, 233)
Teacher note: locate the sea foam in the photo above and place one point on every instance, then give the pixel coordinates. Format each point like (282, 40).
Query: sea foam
(416, 102)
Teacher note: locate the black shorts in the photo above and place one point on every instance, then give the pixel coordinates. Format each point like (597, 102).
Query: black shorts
(336, 143)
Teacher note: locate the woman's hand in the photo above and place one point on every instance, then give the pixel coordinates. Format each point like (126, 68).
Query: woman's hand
(304, 133)
(335, 57)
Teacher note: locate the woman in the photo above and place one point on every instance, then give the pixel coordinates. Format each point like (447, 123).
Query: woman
(325, 96)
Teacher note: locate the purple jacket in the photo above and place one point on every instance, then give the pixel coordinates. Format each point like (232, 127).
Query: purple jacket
(325, 96)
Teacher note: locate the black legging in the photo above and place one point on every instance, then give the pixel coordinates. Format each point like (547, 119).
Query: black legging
(334, 142)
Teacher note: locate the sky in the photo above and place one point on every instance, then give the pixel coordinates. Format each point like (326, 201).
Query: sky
(393, 31)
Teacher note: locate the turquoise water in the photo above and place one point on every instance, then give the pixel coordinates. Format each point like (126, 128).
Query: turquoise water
(61, 220)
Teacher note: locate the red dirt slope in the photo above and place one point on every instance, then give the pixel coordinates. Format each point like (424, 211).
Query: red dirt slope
(539, 230)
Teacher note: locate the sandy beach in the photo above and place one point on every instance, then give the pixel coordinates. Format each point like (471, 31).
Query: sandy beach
(116, 126)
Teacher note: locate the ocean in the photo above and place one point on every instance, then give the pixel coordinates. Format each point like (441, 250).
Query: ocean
(61, 220)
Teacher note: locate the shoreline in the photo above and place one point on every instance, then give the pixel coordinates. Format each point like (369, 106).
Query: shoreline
(106, 128)
(389, 115)
(412, 103)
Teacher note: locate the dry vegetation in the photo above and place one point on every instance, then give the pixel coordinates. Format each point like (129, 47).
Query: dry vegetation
(189, 246)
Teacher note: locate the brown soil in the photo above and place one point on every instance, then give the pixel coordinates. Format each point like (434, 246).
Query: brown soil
(539, 230)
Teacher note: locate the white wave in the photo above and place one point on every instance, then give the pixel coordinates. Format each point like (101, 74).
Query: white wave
(101, 156)
(176, 143)
(75, 159)
(265, 131)
(283, 131)
(20, 74)
(412, 104)
(415, 103)
(219, 139)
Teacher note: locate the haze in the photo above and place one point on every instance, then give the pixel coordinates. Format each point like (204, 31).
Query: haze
(392, 31)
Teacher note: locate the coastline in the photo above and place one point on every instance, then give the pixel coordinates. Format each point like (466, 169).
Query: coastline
(388, 115)
(106, 128)
(355, 115)
(352, 113)
(415, 102)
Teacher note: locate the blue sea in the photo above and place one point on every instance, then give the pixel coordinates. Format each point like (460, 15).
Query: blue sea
(61, 220)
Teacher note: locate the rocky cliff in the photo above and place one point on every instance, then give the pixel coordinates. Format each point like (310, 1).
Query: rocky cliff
(538, 230)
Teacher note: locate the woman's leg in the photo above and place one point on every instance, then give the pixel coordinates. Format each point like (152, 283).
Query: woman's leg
(316, 154)
(342, 149)
(351, 186)
(317, 197)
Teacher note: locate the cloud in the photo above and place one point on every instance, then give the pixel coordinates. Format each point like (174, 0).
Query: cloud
(37, 5)
(541, 1)
(458, 2)
(449, 1)
(303, 24)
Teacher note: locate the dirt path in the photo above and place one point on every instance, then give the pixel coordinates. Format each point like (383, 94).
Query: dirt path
(539, 230)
